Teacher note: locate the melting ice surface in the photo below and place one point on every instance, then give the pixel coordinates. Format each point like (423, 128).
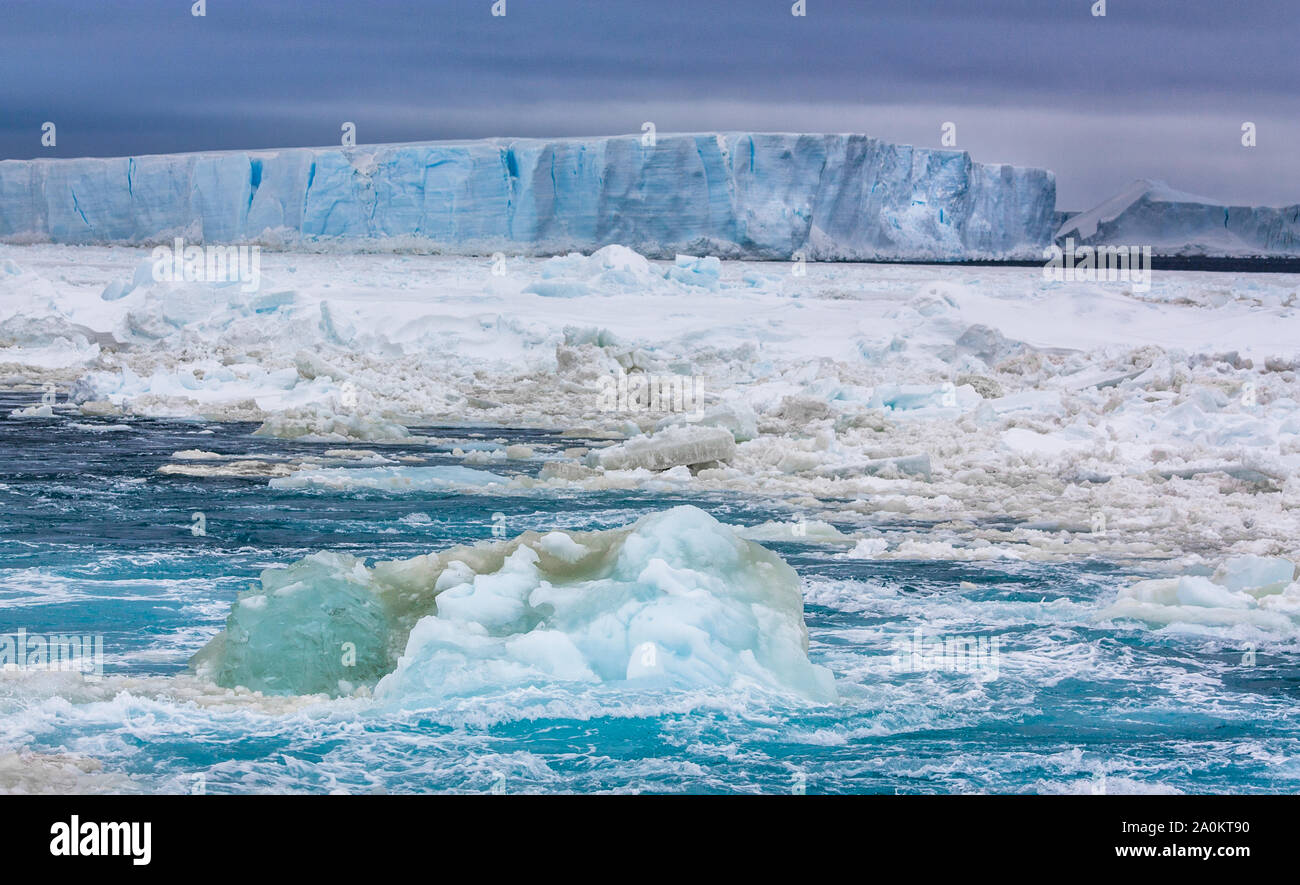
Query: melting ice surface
(522, 672)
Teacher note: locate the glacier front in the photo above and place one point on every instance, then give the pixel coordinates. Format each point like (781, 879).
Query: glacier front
(772, 196)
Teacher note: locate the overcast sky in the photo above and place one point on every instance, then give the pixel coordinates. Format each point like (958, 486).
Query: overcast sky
(1156, 88)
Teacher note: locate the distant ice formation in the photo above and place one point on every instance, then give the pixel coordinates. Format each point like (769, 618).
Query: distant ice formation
(1150, 213)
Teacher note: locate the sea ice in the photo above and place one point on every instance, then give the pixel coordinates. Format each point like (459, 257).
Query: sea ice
(394, 479)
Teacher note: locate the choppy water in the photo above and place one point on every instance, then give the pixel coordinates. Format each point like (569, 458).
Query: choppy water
(96, 541)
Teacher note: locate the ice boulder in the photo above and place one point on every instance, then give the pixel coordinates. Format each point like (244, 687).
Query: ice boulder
(317, 626)
(559, 288)
(118, 289)
(322, 424)
(913, 397)
(674, 601)
(609, 270)
(691, 271)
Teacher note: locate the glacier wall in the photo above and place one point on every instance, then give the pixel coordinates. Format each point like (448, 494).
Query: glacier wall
(832, 197)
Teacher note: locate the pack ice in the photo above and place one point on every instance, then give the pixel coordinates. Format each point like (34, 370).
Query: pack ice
(734, 195)
(675, 600)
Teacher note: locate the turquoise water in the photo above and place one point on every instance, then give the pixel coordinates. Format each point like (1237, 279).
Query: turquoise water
(97, 541)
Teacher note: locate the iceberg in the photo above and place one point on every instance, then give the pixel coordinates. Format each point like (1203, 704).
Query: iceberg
(1150, 213)
(734, 195)
(675, 600)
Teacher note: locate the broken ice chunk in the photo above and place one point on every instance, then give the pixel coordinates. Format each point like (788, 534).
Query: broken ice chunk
(671, 447)
(1256, 575)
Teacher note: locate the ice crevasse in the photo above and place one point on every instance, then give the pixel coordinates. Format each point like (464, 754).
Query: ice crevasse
(732, 195)
(675, 600)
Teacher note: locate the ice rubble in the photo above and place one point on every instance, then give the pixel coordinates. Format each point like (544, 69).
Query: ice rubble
(1150, 213)
(674, 600)
(734, 194)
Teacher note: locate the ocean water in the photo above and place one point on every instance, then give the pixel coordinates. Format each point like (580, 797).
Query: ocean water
(96, 541)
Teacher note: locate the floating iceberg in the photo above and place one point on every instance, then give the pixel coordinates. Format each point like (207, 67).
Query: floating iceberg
(676, 600)
(763, 196)
(1150, 213)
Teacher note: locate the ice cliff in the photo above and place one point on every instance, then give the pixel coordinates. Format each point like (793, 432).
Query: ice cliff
(1150, 213)
(733, 195)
